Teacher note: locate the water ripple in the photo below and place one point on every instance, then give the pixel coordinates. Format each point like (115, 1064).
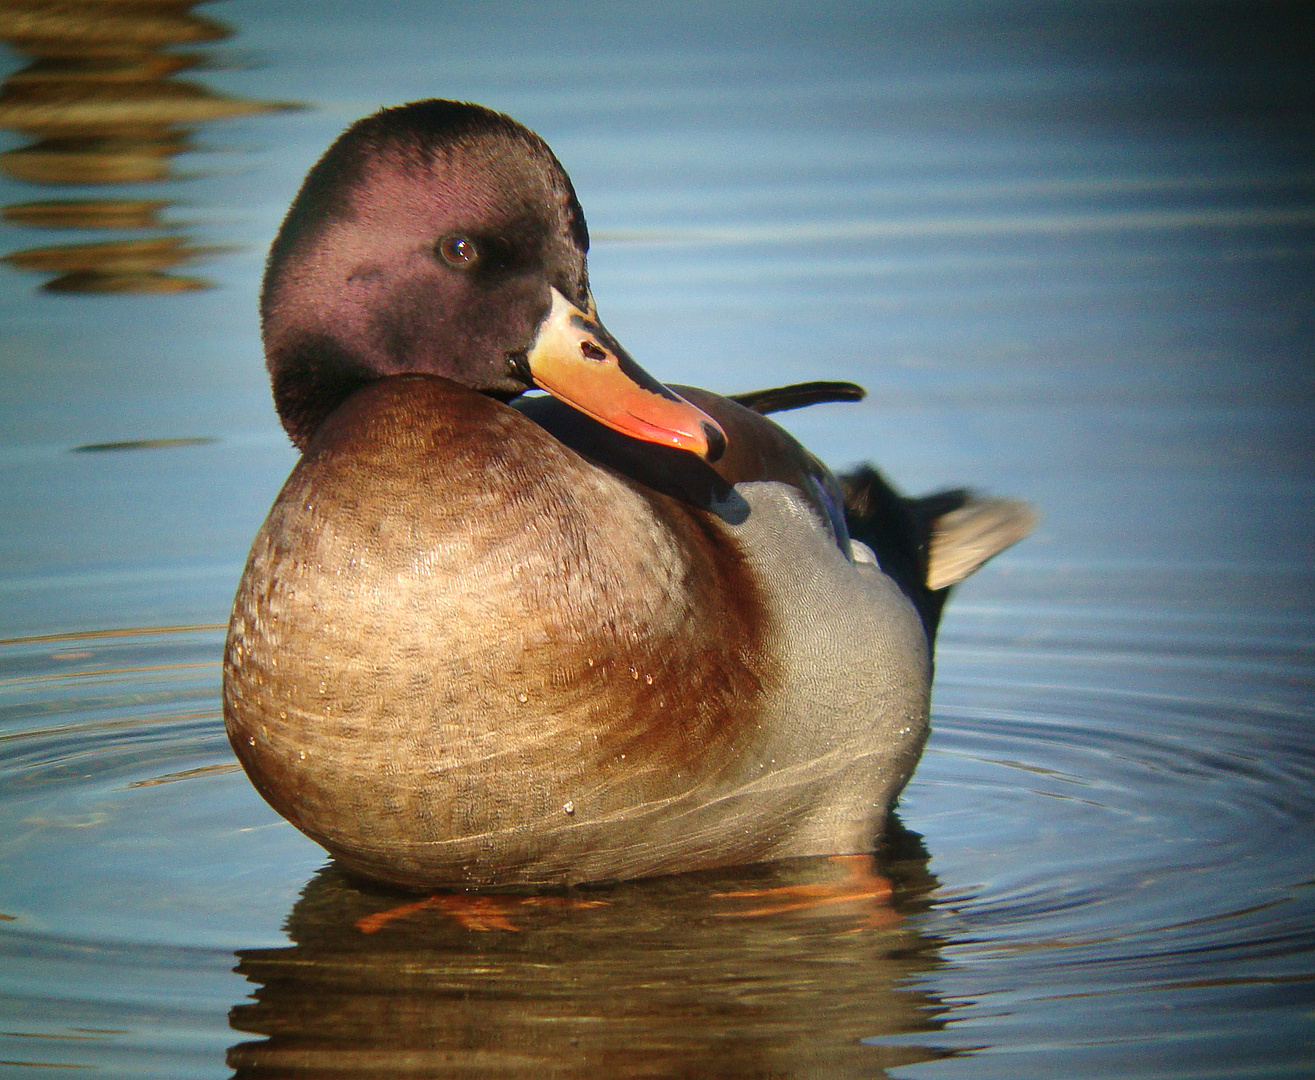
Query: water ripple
(1125, 824)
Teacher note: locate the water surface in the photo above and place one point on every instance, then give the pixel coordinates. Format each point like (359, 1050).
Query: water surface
(1067, 248)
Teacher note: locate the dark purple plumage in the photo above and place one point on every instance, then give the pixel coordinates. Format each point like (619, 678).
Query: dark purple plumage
(356, 286)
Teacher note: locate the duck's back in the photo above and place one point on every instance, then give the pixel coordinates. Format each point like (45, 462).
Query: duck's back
(463, 653)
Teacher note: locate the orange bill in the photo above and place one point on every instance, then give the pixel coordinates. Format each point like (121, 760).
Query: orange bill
(575, 359)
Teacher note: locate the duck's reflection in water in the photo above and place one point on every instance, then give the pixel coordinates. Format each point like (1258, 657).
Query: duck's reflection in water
(770, 971)
(100, 100)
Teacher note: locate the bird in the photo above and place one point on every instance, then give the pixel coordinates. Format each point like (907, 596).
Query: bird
(606, 630)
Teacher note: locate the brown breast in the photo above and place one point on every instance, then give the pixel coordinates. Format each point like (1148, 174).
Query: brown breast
(459, 648)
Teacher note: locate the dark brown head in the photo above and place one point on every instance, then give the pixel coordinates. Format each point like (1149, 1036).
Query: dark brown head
(426, 239)
(444, 238)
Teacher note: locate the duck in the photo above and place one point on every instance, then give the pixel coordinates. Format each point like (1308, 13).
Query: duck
(610, 629)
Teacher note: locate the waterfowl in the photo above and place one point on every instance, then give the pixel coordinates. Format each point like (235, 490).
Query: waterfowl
(617, 631)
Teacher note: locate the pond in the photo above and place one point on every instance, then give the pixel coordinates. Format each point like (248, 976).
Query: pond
(1068, 249)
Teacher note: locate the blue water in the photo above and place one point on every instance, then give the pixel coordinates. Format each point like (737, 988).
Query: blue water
(1068, 249)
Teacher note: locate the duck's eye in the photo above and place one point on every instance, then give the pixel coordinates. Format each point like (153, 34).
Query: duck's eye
(458, 252)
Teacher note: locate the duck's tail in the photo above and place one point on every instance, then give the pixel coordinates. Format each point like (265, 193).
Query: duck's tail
(929, 544)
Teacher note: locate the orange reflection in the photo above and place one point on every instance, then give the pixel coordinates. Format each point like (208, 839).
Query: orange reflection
(126, 266)
(87, 213)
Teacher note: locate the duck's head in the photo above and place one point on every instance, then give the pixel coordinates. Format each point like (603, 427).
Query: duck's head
(444, 238)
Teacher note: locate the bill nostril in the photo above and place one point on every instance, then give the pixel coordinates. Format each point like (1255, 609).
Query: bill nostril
(716, 441)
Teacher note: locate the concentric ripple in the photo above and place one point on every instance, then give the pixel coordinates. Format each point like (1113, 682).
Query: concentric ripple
(125, 830)
(1119, 872)
(1127, 821)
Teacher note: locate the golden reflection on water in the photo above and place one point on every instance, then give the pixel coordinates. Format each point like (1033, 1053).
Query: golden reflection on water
(100, 100)
(87, 213)
(645, 978)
